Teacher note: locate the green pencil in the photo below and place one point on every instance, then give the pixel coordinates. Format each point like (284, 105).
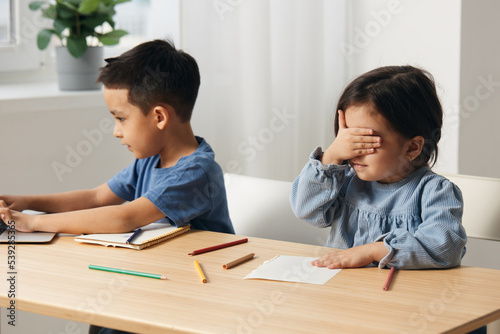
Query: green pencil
(127, 272)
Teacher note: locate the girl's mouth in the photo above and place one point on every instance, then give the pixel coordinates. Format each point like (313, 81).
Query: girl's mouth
(357, 165)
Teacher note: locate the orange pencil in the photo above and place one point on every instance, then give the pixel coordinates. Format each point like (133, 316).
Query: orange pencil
(389, 278)
(238, 261)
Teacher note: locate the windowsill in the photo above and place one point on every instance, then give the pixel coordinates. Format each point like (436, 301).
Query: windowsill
(45, 95)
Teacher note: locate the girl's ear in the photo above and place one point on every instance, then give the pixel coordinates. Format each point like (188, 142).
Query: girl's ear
(415, 147)
(161, 116)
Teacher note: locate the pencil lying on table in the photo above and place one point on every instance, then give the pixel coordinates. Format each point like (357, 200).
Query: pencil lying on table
(389, 279)
(127, 272)
(212, 248)
(200, 272)
(238, 261)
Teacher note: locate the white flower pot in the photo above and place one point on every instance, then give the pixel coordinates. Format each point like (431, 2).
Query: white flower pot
(79, 73)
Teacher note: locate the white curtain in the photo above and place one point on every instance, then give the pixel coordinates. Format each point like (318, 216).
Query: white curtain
(271, 73)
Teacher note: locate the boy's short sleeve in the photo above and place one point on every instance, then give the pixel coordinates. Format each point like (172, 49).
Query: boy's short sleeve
(192, 191)
(184, 195)
(123, 184)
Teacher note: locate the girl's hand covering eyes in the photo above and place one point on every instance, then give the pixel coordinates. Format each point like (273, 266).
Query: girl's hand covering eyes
(350, 143)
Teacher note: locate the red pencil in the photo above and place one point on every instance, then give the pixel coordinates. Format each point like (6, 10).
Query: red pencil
(389, 278)
(212, 248)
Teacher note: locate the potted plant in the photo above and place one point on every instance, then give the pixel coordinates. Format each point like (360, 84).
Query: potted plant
(80, 25)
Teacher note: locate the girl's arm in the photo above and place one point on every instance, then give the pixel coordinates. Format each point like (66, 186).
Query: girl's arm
(354, 257)
(439, 241)
(105, 219)
(315, 191)
(314, 194)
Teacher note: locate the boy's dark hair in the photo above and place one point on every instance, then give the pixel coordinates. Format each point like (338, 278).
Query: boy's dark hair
(155, 73)
(406, 96)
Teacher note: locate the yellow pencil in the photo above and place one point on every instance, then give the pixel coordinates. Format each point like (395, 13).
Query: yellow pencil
(198, 268)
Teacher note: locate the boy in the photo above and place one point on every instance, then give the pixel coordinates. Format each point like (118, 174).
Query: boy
(150, 91)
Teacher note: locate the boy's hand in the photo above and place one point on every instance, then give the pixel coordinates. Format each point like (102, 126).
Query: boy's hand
(354, 257)
(350, 143)
(22, 221)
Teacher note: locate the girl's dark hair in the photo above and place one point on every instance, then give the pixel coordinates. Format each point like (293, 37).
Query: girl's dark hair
(406, 96)
(155, 73)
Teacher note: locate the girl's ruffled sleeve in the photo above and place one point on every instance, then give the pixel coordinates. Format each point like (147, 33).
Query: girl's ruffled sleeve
(439, 241)
(315, 192)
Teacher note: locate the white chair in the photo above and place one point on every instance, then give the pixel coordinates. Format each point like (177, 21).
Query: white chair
(260, 208)
(481, 220)
(481, 217)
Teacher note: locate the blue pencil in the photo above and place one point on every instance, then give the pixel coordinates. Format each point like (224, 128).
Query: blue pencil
(133, 236)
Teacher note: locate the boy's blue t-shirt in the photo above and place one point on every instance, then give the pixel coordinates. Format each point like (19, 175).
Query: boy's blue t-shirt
(192, 191)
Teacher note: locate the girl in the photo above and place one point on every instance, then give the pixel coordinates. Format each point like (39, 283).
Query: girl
(373, 186)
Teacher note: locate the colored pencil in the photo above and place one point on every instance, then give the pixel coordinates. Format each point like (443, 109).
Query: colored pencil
(127, 272)
(238, 261)
(133, 236)
(389, 279)
(198, 269)
(212, 248)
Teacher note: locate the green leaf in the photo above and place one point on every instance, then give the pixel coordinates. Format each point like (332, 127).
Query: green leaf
(88, 6)
(75, 3)
(61, 24)
(117, 2)
(43, 38)
(84, 32)
(50, 12)
(104, 9)
(66, 13)
(93, 21)
(77, 46)
(111, 23)
(35, 5)
(66, 4)
(112, 38)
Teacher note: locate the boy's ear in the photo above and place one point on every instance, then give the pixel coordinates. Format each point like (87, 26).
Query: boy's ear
(415, 147)
(161, 116)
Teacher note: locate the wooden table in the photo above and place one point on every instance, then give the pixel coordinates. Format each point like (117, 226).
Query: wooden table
(54, 280)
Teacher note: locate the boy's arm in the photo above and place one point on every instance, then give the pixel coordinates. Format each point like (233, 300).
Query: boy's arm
(66, 201)
(106, 219)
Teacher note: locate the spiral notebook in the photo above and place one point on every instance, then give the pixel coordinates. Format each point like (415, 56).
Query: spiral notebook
(151, 234)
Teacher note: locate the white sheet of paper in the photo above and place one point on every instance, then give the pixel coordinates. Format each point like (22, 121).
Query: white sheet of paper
(293, 269)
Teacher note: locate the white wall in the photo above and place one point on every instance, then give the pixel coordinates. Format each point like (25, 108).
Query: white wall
(479, 88)
(422, 33)
(268, 89)
(57, 142)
